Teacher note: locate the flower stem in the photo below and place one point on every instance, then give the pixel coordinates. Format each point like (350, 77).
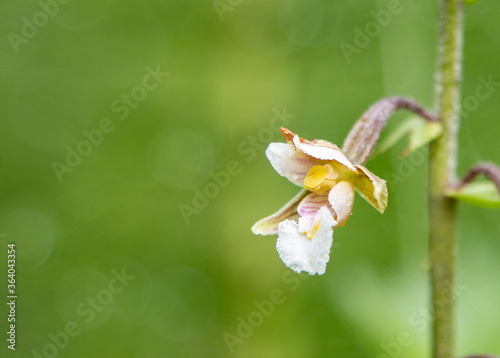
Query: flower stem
(491, 171)
(442, 174)
(361, 140)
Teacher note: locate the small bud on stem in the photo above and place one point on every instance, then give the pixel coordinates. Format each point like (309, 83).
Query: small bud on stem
(363, 137)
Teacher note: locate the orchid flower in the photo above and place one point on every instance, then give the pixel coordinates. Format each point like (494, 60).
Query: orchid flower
(305, 224)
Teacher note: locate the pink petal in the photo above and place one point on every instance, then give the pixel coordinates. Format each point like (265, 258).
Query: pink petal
(310, 205)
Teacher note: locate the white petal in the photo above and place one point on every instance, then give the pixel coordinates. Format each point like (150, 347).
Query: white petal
(269, 225)
(306, 223)
(341, 199)
(289, 162)
(323, 150)
(299, 252)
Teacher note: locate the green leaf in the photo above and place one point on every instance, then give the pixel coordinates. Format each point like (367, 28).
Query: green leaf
(468, 2)
(418, 131)
(481, 193)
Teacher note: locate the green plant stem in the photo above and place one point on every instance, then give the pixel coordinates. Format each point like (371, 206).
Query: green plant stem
(364, 135)
(442, 174)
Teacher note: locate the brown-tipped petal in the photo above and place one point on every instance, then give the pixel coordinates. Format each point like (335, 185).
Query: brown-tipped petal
(323, 150)
(341, 198)
(287, 134)
(371, 188)
(318, 149)
(269, 225)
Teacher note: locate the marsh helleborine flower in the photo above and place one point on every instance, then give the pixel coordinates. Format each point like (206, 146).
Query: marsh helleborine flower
(305, 224)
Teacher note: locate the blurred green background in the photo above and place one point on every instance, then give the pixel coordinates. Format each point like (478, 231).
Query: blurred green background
(118, 208)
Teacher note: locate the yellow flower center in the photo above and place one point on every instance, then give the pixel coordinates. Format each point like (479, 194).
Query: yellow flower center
(320, 179)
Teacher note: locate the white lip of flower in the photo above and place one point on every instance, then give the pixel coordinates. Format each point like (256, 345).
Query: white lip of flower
(305, 224)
